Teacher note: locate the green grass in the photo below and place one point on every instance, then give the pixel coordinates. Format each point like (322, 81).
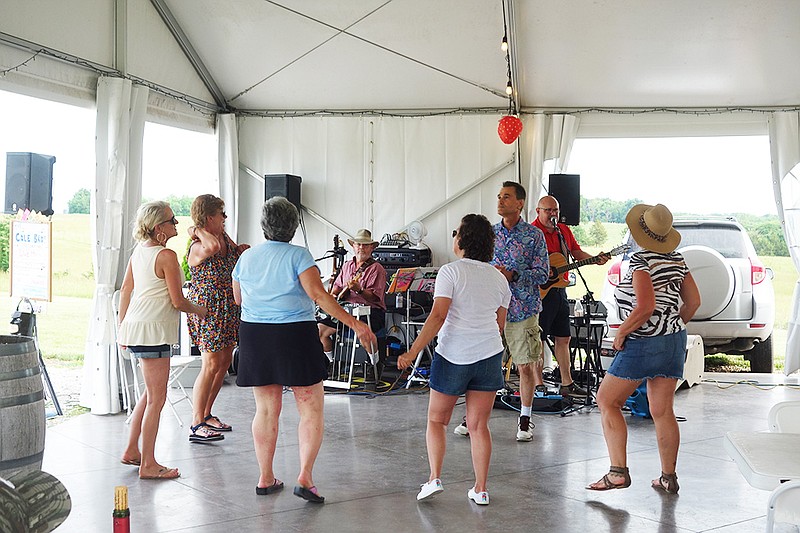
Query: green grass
(64, 323)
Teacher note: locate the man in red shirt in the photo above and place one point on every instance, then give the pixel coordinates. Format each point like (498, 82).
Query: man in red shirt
(554, 318)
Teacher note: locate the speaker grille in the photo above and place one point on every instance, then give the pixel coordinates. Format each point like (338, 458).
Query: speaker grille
(566, 188)
(29, 182)
(285, 185)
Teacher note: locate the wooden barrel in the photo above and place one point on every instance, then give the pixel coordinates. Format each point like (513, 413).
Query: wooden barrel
(22, 418)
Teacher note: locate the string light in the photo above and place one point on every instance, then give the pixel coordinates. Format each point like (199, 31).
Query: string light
(504, 44)
(509, 88)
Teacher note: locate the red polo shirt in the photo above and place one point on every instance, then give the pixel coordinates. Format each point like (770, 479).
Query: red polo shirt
(551, 238)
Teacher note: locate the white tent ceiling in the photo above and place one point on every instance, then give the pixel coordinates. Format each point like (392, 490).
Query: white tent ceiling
(423, 55)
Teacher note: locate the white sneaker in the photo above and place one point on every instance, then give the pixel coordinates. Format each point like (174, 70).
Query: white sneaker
(524, 433)
(481, 498)
(429, 489)
(461, 429)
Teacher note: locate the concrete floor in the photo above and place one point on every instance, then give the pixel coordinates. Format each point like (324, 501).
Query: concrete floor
(373, 460)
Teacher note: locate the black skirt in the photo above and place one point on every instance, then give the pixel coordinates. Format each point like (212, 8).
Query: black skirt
(280, 354)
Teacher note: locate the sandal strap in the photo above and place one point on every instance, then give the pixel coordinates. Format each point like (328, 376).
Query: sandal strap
(623, 470)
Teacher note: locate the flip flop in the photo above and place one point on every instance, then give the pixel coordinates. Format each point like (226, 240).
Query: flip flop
(222, 425)
(131, 462)
(309, 494)
(164, 473)
(202, 432)
(277, 485)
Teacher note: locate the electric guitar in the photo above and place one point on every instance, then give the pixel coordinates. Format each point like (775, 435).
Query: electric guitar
(559, 266)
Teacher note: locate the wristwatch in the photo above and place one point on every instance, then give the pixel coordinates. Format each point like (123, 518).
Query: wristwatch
(515, 276)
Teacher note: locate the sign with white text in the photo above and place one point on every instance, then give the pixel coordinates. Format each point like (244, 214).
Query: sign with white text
(31, 260)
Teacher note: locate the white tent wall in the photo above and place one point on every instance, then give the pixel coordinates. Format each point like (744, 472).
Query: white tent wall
(376, 172)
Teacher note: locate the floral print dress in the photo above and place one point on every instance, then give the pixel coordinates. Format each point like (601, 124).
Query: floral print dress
(211, 286)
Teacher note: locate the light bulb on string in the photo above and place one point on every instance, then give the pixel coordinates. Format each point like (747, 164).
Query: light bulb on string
(509, 88)
(504, 44)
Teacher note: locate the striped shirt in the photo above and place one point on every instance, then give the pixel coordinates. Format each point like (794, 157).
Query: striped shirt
(667, 272)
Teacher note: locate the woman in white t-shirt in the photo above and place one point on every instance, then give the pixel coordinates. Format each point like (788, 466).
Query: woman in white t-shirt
(469, 312)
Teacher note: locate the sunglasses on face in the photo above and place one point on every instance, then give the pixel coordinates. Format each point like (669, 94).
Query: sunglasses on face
(455, 232)
(173, 221)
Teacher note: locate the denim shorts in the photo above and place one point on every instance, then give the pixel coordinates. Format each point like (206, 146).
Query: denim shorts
(456, 380)
(151, 352)
(651, 357)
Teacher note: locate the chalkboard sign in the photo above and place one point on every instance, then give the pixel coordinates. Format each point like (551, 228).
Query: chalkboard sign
(32, 260)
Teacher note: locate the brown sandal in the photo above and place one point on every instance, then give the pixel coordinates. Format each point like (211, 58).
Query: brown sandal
(605, 483)
(667, 482)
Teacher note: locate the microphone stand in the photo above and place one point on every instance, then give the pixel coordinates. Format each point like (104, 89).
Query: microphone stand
(585, 321)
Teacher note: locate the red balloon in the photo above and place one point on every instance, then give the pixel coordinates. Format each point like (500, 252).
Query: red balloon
(509, 129)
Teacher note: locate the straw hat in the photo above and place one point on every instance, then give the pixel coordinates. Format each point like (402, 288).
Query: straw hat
(363, 236)
(651, 228)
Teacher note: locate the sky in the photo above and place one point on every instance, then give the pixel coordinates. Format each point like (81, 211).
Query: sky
(690, 175)
(176, 162)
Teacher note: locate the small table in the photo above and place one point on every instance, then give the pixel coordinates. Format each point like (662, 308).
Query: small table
(765, 459)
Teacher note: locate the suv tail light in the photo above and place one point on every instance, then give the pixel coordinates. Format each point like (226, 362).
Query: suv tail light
(613, 274)
(757, 271)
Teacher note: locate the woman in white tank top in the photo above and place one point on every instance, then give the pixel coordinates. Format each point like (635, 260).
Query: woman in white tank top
(151, 299)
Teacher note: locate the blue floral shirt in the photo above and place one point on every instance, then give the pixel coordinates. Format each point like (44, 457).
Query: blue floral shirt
(522, 249)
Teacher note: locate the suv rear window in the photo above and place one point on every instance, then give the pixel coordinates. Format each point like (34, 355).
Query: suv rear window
(726, 239)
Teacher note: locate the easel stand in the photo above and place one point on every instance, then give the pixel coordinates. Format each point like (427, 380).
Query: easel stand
(26, 326)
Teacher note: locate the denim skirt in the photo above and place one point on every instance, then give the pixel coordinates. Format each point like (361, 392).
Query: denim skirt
(641, 358)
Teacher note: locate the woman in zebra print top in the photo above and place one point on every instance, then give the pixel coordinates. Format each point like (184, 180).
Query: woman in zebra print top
(656, 299)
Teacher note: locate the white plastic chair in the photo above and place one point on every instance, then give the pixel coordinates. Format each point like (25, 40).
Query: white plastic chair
(177, 366)
(784, 417)
(784, 505)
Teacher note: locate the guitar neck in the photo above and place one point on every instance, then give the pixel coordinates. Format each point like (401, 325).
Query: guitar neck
(576, 264)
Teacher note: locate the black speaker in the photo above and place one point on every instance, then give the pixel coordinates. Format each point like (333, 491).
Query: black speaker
(29, 182)
(566, 188)
(285, 185)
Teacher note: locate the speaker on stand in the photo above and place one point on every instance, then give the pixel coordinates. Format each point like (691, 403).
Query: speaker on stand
(29, 182)
(285, 185)
(566, 188)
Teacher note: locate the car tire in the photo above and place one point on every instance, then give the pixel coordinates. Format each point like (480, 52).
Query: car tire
(760, 357)
(714, 278)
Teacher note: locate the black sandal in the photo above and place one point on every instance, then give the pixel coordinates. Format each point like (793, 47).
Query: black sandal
(667, 482)
(605, 483)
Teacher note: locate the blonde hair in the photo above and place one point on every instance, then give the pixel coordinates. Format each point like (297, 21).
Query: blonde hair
(204, 206)
(148, 216)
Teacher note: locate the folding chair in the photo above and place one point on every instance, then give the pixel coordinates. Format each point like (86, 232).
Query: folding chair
(784, 417)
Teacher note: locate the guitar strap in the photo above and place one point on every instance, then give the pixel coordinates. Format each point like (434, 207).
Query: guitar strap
(365, 265)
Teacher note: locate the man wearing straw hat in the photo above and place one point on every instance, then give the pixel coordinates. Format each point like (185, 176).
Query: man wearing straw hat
(362, 281)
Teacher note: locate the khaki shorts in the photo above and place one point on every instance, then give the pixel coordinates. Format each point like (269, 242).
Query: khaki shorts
(524, 340)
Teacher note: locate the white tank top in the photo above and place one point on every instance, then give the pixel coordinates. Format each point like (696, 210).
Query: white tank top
(151, 319)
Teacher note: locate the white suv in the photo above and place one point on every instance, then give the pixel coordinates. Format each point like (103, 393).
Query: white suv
(738, 303)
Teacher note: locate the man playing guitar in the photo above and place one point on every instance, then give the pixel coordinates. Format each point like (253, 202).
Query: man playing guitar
(362, 281)
(554, 318)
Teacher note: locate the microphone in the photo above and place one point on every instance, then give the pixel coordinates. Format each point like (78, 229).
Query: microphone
(554, 221)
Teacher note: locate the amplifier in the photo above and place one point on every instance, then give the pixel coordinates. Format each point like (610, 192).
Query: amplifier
(392, 256)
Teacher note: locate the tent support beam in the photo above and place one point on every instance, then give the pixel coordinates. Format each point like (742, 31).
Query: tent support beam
(252, 173)
(468, 188)
(190, 53)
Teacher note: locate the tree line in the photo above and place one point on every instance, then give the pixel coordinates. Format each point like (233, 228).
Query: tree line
(765, 231)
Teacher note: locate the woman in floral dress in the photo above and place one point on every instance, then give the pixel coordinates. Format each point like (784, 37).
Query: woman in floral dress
(211, 258)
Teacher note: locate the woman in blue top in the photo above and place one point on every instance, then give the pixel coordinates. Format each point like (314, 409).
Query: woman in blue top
(277, 284)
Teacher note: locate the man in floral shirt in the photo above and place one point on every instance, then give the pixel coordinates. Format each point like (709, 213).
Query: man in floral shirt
(520, 254)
